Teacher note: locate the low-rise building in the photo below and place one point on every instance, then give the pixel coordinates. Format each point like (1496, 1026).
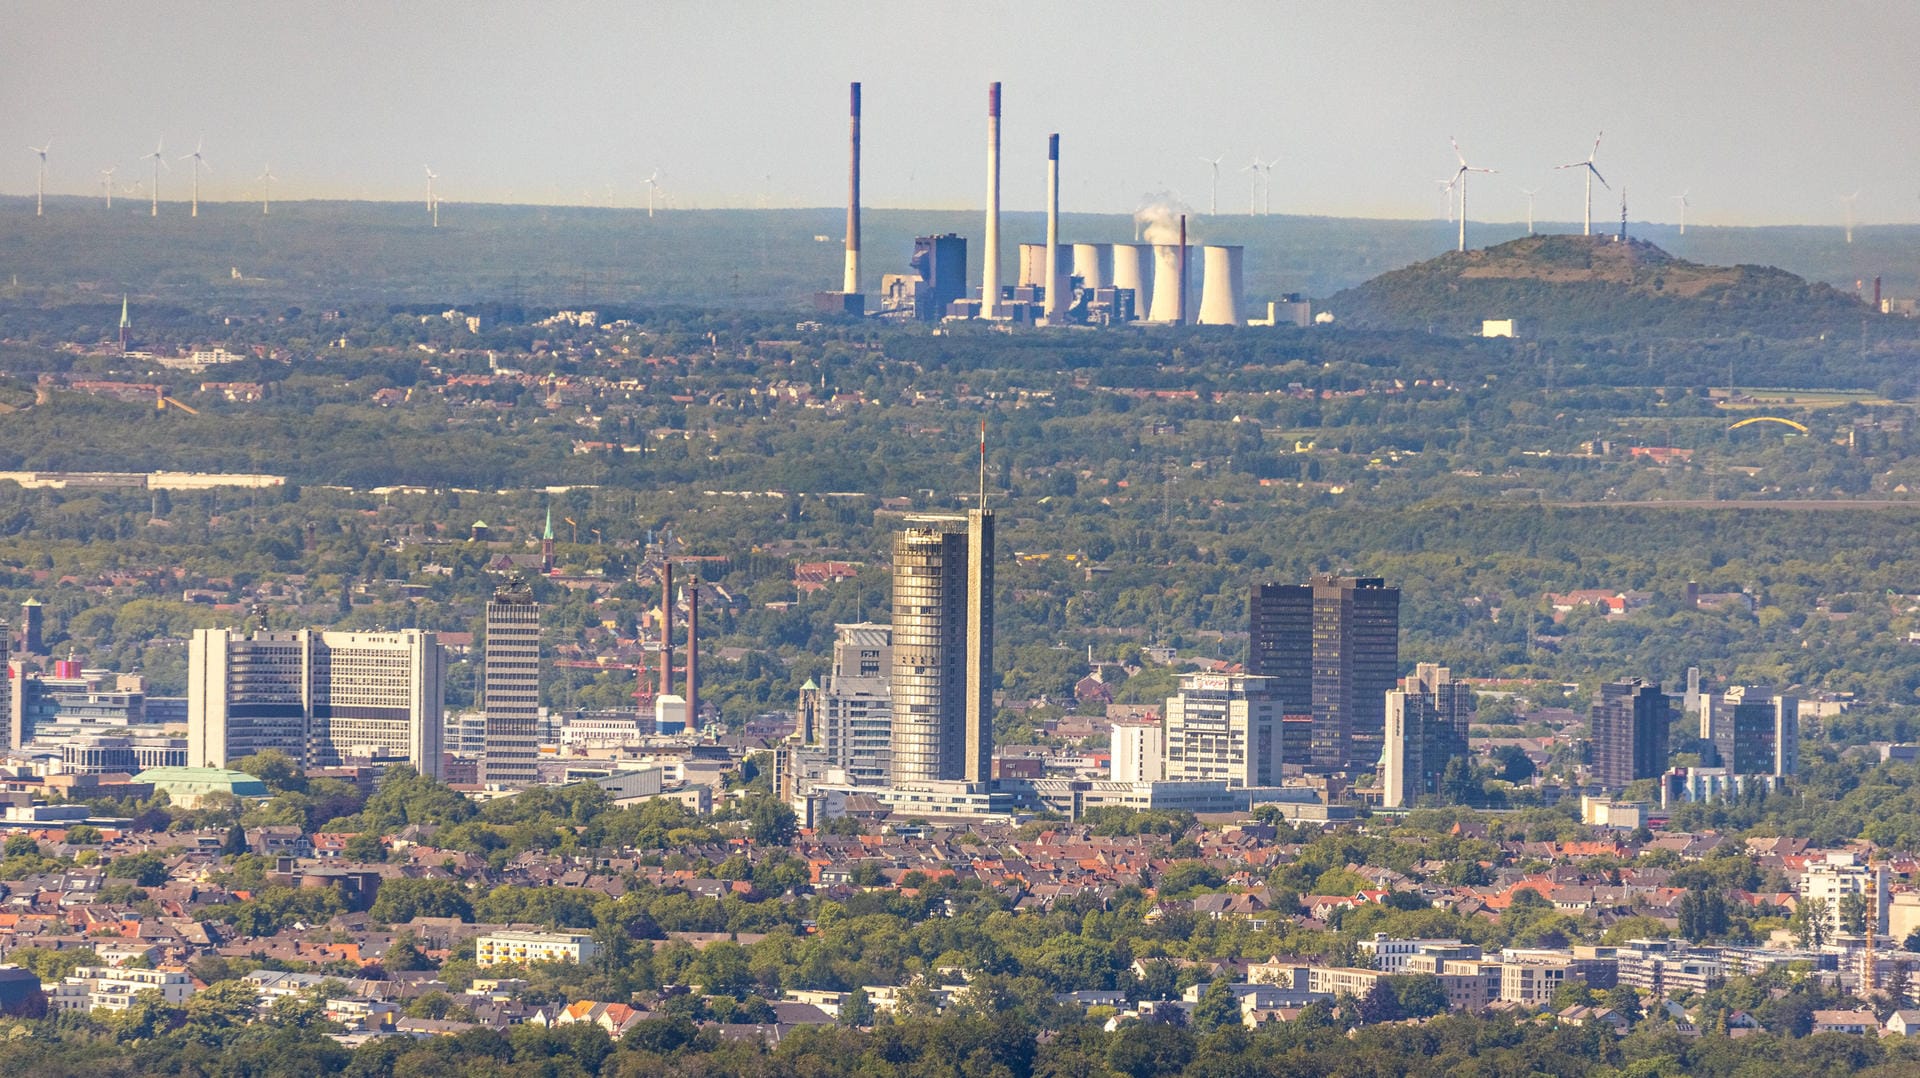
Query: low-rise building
(526, 948)
(92, 988)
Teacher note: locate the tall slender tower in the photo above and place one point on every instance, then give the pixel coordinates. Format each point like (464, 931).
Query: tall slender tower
(126, 323)
(942, 685)
(1056, 302)
(511, 689)
(852, 283)
(990, 277)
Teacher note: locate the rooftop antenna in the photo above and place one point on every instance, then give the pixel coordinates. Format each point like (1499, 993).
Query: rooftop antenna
(199, 162)
(40, 192)
(982, 503)
(1845, 200)
(1213, 192)
(1460, 177)
(1592, 175)
(159, 158)
(1529, 192)
(1681, 198)
(653, 185)
(433, 204)
(266, 190)
(106, 183)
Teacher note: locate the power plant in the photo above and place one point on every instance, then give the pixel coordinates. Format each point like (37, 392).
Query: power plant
(1059, 282)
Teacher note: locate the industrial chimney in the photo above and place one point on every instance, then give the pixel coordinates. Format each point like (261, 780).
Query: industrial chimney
(1181, 317)
(666, 628)
(852, 284)
(990, 279)
(693, 653)
(1055, 301)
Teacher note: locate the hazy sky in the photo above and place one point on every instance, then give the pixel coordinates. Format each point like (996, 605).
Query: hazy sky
(1766, 111)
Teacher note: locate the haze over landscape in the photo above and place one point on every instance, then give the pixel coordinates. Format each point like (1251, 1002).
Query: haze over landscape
(1765, 112)
(596, 540)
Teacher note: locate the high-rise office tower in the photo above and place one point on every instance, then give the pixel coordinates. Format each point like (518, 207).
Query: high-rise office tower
(32, 627)
(320, 697)
(1752, 731)
(1427, 719)
(511, 692)
(1332, 648)
(857, 705)
(1224, 728)
(1629, 728)
(942, 684)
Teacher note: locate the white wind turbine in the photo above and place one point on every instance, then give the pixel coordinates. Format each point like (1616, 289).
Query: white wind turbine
(433, 204)
(159, 158)
(1260, 189)
(1529, 192)
(1460, 178)
(1592, 175)
(653, 186)
(1681, 198)
(1848, 201)
(1446, 190)
(40, 192)
(106, 184)
(1213, 193)
(199, 162)
(266, 178)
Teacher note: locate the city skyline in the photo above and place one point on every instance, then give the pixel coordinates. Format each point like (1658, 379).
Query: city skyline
(1355, 107)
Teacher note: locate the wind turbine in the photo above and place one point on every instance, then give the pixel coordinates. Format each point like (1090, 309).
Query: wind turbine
(40, 192)
(1845, 200)
(159, 158)
(1529, 192)
(653, 185)
(1681, 198)
(199, 162)
(106, 183)
(1446, 188)
(1262, 175)
(1592, 175)
(266, 190)
(433, 204)
(1460, 177)
(1213, 194)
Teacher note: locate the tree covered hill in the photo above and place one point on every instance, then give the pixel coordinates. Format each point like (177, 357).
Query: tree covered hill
(1596, 284)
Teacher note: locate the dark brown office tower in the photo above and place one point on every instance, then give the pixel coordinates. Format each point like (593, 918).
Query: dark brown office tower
(1629, 726)
(1333, 648)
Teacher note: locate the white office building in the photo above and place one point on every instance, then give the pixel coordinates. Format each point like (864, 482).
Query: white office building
(320, 697)
(1139, 752)
(1224, 728)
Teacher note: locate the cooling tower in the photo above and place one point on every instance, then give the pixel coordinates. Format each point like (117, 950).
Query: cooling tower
(1133, 268)
(990, 256)
(1168, 304)
(1093, 264)
(1033, 263)
(1220, 286)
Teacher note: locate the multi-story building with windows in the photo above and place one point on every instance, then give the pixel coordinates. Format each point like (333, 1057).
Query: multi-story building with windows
(527, 948)
(511, 688)
(320, 697)
(1629, 726)
(1427, 719)
(856, 707)
(1752, 731)
(941, 690)
(1224, 728)
(1332, 647)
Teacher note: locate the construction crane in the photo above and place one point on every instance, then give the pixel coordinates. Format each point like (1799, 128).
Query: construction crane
(161, 400)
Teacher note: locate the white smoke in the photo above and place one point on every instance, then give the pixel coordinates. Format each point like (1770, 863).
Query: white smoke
(1157, 220)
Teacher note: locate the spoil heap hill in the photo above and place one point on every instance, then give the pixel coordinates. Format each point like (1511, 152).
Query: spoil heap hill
(1557, 285)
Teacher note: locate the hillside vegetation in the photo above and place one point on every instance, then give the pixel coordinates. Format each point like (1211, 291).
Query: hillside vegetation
(1596, 284)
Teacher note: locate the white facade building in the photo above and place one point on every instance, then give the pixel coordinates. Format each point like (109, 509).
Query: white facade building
(1139, 752)
(1224, 728)
(526, 948)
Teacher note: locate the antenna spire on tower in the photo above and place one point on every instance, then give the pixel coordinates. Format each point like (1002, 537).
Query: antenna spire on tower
(983, 464)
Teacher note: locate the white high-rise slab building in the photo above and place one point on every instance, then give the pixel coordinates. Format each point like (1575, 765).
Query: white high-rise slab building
(1139, 752)
(320, 697)
(1224, 728)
